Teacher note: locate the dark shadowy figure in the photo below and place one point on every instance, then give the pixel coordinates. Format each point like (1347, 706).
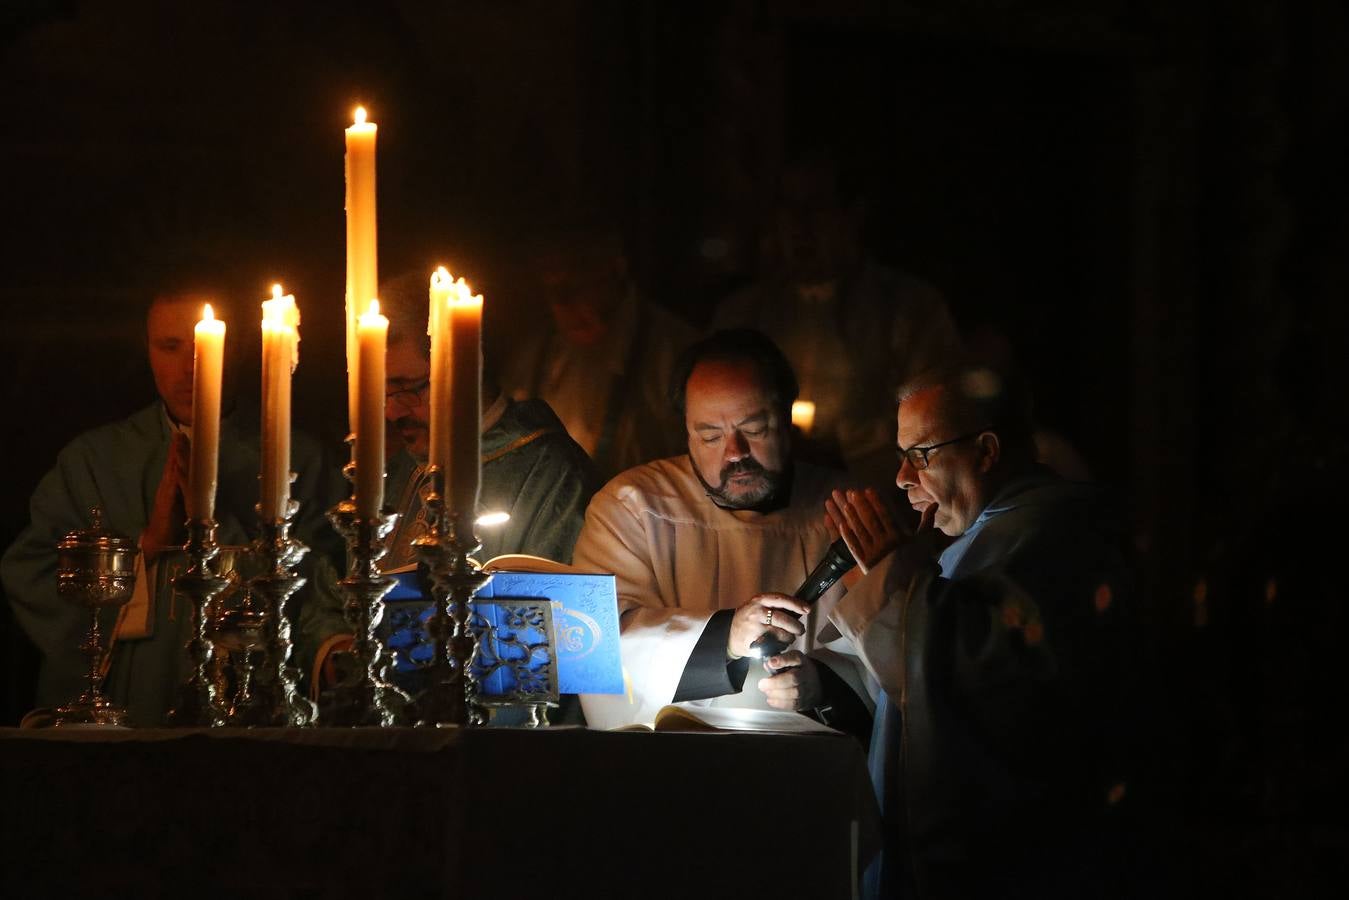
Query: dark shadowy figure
(853, 329)
(595, 350)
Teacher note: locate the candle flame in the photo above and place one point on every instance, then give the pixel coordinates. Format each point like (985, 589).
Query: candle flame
(207, 314)
(462, 295)
(803, 415)
(371, 317)
(277, 312)
(280, 312)
(489, 519)
(359, 115)
(458, 292)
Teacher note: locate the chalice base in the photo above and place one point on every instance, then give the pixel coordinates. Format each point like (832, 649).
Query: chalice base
(85, 713)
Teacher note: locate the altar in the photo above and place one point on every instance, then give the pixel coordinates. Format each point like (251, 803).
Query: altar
(251, 796)
(432, 812)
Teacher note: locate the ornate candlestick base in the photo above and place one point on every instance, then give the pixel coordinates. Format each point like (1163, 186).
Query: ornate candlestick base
(243, 632)
(279, 703)
(451, 694)
(198, 703)
(364, 696)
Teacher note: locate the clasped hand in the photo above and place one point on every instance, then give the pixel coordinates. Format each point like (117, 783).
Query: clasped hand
(165, 527)
(864, 523)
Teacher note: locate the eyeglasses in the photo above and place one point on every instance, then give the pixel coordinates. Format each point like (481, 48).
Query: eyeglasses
(408, 397)
(917, 456)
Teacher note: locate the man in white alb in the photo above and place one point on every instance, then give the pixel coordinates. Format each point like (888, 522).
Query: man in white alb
(695, 539)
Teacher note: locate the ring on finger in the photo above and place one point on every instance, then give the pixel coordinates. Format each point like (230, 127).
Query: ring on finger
(769, 620)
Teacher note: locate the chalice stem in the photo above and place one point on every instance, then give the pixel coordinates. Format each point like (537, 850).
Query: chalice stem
(93, 648)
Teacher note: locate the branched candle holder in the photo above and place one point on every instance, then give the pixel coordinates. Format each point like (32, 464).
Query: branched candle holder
(257, 634)
(364, 696)
(198, 703)
(278, 584)
(451, 694)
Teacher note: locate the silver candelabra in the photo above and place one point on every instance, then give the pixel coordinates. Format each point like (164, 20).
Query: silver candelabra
(198, 701)
(364, 695)
(451, 693)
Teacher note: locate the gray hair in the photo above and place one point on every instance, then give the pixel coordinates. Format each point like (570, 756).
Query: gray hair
(980, 396)
(405, 300)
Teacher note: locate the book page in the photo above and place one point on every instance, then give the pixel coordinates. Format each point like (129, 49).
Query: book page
(726, 718)
(523, 562)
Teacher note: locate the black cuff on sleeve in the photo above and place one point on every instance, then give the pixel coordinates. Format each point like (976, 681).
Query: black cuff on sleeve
(841, 708)
(709, 673)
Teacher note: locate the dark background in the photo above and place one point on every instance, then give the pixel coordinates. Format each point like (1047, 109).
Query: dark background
(1148, 199)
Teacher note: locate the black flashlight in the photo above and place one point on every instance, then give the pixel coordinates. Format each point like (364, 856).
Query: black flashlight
(837, 561)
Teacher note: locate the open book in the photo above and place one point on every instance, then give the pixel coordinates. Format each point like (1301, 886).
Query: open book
(523, 562)
(728, 718)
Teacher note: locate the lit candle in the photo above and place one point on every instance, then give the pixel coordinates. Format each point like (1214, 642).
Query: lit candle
(803, 415)
(280, 355)
(439, 437)
(362, 270)
(465, 402)
(372, 334)
(208, 361)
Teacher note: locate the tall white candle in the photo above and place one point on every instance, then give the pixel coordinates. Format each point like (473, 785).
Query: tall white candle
(208, 363)
(362, 266)
(372, 334)
(441, 288)
(465, 454)
(280, 355)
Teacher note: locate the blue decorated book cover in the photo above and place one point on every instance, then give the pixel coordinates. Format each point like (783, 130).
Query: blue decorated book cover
(585, 619)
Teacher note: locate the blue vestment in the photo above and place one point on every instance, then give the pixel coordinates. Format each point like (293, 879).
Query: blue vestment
(1000, 750)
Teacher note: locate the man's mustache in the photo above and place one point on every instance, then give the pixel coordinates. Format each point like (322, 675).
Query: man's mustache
(747, 466)
(405, 429)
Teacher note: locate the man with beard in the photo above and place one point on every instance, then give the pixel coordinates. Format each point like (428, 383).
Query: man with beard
(531, 469)
(692, 539)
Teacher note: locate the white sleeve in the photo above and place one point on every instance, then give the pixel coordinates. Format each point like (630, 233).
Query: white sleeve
(657, 639)
(872, 615)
